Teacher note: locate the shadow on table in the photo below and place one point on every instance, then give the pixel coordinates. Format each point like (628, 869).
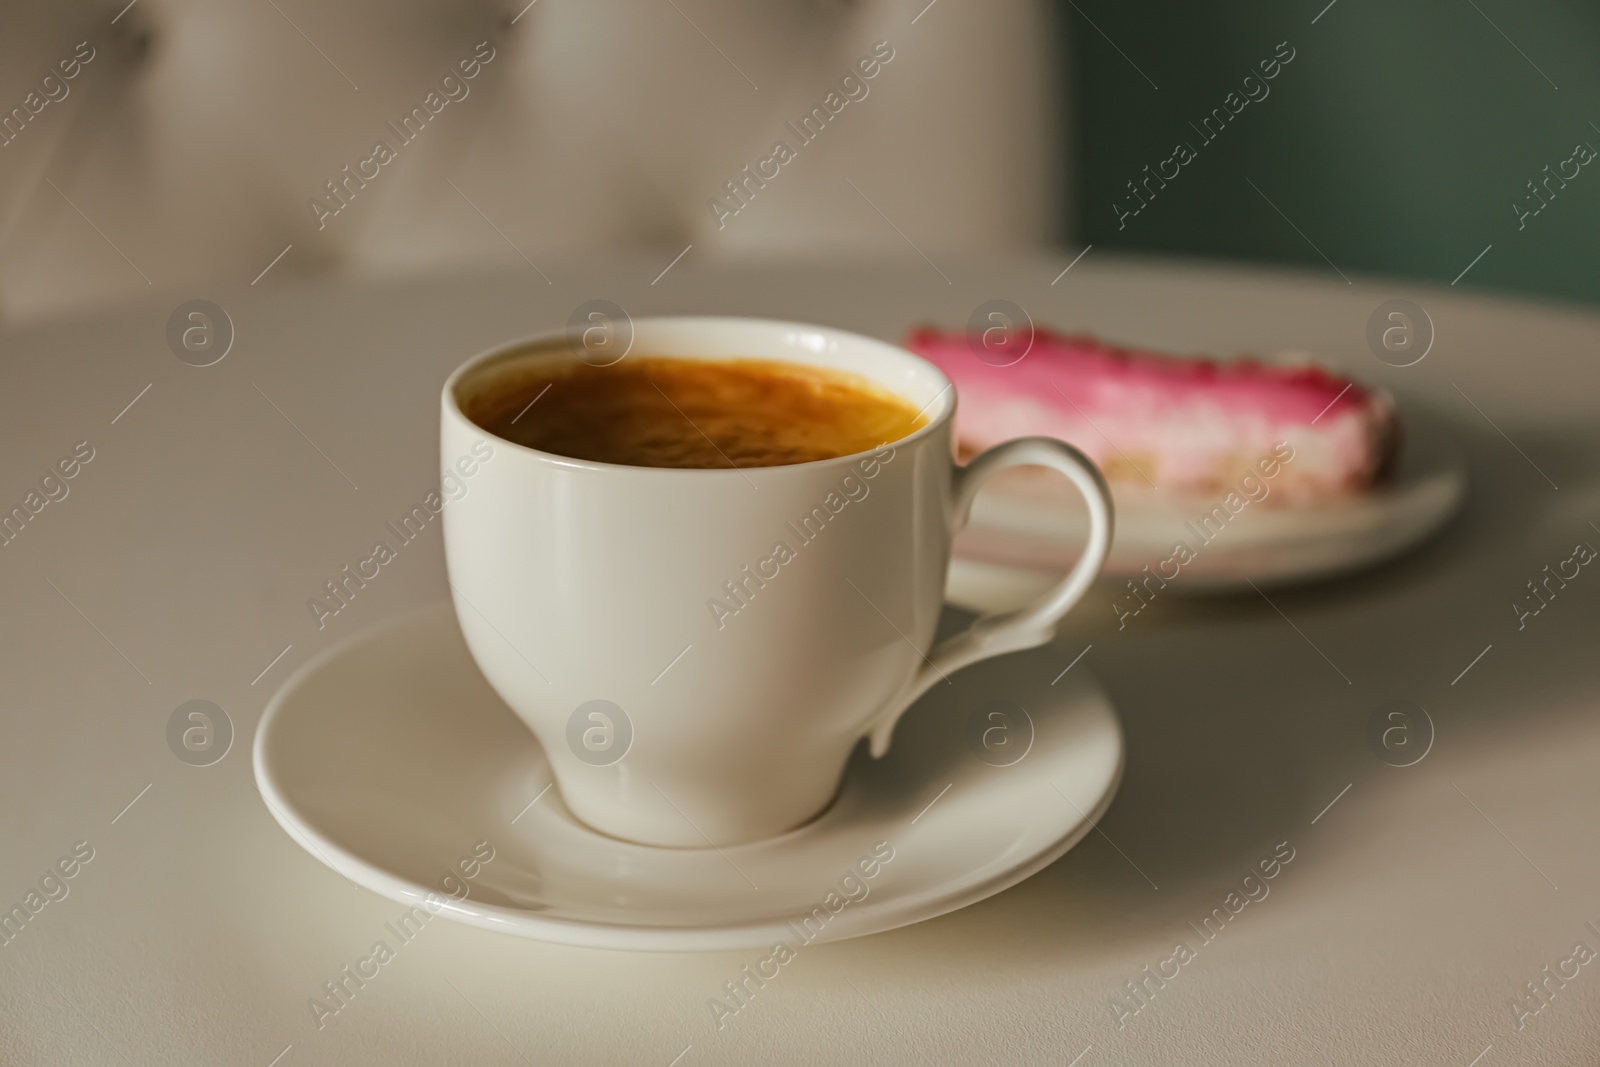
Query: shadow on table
(1245, 718)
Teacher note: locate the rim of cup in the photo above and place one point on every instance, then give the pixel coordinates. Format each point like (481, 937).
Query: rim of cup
(557, 345)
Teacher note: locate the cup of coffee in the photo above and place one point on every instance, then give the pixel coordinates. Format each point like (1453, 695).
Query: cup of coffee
(702, 572)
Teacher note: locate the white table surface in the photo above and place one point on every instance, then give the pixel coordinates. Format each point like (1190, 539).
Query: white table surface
(1414, 910)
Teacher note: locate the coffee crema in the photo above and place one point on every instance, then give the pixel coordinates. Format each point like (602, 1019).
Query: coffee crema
(655, 411)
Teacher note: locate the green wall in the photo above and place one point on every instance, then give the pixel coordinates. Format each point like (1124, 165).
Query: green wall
(1398, 138)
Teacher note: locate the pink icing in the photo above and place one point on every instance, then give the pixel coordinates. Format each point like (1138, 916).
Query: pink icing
(1096, 376)
(1178, 424)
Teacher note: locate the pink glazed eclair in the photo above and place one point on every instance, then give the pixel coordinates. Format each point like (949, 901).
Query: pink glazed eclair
(1180, 425)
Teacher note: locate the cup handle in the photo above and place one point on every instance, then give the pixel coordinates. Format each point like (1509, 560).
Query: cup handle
(1032, 624)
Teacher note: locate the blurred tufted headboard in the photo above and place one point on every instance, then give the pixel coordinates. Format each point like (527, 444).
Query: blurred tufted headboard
(197, 139)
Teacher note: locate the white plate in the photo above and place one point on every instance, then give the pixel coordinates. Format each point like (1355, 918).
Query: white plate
(1027, 528)
(389, 758)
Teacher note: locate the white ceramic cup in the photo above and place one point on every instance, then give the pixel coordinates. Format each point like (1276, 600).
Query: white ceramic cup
(698, 651)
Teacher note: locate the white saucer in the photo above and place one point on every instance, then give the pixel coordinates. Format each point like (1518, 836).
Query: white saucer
(389, 758)
(1026, 529)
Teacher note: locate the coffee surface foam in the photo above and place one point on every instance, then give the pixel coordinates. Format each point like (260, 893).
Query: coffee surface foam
(653, 411)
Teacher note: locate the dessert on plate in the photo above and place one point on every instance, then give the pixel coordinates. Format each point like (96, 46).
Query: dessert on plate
(1173, 424)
